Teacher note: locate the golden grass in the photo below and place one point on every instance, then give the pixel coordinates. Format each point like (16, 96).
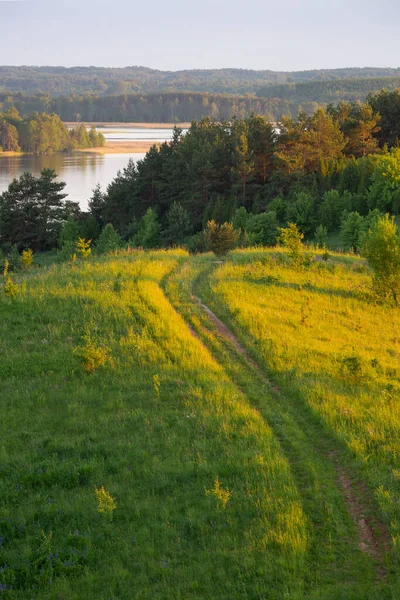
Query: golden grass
(321, 334)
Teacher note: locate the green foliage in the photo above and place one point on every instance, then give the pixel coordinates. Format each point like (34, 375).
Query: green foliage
(332, 208)
(96, 204)
(291, 237)
(89, 227)
(220, 239)
(109, 240)
(179, 225)
(149, 227)
(321, 236)
(32, 211)
(43, 134)
(239, 219)
(262, 229)
(352, 231)
(301, 211)
(384, 193)
(69, 232)
(381, 248)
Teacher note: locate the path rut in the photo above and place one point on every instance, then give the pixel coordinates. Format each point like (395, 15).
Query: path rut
(373, 536)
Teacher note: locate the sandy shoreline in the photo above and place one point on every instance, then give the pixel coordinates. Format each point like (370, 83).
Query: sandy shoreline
(112, 147)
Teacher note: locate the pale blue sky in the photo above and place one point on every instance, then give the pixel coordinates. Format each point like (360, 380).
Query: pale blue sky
(182, 34)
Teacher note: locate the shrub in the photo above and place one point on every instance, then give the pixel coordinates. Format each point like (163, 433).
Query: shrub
(92, 356)
(83, 247)
(109, 240)
(291, 237)
(263, 228)
(352, 230)
(105, 502)
(10, 288)
(381, 248)
(26, 259)
(220, 239)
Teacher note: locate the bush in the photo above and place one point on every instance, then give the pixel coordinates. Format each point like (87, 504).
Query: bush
(291, 237)
(381, 248)
(26, 259)
(321, 236)
(352, 230)
(220, 239)
(83, 247)
(263, 228)
(109, 240)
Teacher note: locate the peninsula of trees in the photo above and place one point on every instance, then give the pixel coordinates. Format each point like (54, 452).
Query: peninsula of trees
(332, 174)
(43, 134)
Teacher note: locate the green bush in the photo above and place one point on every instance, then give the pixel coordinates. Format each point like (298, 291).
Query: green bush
(220, 239)
(381, 248)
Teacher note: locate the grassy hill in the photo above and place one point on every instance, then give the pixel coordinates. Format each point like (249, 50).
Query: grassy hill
(150, 450)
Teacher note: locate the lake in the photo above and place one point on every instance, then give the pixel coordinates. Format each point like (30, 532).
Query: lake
(82, 171)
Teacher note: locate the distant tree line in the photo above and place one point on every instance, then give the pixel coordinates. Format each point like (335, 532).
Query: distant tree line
(171, 107)
(333, 90)
(59, 81)
(331, 173)
(43, 134)
(187, 106)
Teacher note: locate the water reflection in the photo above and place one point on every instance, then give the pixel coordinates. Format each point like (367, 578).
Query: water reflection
(80, 171)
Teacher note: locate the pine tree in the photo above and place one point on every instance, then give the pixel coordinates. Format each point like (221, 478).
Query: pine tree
(109, 240)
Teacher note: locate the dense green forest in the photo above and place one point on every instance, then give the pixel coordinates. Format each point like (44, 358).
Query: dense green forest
(43, 134)
(106, 81)
(178, 107)
(331, 173)
(170, 107)
(325, 92)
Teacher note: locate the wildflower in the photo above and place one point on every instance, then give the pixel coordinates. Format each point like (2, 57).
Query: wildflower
(106, 502)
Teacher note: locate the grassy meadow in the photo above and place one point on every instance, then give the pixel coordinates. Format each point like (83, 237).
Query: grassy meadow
(145, 454)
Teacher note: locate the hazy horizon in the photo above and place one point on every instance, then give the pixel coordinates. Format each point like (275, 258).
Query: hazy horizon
(210, 68)
(178, 36)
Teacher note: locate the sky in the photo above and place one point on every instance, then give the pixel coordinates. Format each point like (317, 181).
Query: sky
(286, 35)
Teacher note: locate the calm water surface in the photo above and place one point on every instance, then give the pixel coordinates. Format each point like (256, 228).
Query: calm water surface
(82, 172)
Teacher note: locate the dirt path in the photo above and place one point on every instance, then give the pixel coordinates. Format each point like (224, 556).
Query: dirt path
(373, 537)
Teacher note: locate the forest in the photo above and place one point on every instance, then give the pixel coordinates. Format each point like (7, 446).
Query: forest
(332, 174)
(327, 91)
(43, 134)
(106, 81)
(177, 107)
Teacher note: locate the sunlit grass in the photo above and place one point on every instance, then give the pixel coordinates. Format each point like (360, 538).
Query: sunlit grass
(155, 425)
(321, 335)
